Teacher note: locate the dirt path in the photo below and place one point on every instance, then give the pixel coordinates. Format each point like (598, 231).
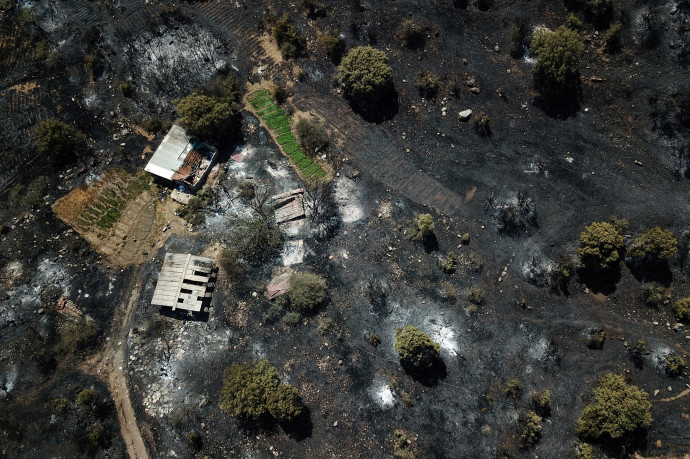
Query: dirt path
(110, 365)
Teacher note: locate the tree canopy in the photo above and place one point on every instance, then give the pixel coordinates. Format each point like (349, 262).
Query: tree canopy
(600, 245)
(415, 348)
(207, 117)
(618, 409)
(61, 142)
(307, 291)
(655, 244)
(558, 55)
(364, 73)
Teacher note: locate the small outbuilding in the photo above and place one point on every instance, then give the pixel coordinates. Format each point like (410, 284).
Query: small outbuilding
(182, 159)
(183, 282)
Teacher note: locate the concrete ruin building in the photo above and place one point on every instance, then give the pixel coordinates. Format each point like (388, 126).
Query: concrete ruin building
(182, 159)
(183, 282)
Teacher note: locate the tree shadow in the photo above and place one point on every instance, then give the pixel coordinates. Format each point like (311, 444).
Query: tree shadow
(379, 110)
(600, 281)
(461, 4)
(428, 377)
(560, 102)
(658, 271)
(625, 445)
(300, 428)
(430, 243)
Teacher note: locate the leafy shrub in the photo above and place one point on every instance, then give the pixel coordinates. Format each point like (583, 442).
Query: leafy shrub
(255, 240)
(449, 263)
(292, 318)
(415, 349)
(513, 389)
(584, 451)
(61, 404)
(193, 211)
(312, 135)
(558, 55)
(638, 351)
(61, 142)
(413, 34)
(612, 37)
(314, 8)
(482, 125)
(654, 295)
(284, 404)
(600, 246)
(208, 117)
(127, 90)
(476, 295)
(618, 410)
(423, 227)
(573, 23)
(427, 83)
(364, 74)
(675, 365)
(30, 197)
(531, 429)
(335, 47)
(374, 339)
(520, 35)
(596, 340)
(541, 402)
(246, 390)
(87, 397)
(654, 245)
(77, 336)
(290, 41)
(307, 291)
(681, 310)
(154, 125)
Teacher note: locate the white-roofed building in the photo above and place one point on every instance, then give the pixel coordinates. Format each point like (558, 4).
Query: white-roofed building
(182, 282)
(180, 159)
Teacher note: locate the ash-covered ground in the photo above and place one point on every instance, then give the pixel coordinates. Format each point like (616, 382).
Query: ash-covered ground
(619, 151)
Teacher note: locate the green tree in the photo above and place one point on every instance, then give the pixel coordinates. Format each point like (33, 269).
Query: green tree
(364, 74)
(307, 291)
(600, 246)
(290, 41)
(61, 142)
(415, 348)
(207, 117)
(681, 310)
(558, 55)
(531, 429)
(311, 135)
(618, 409)
(675, 365)
(246, 390)
(284, 404)
(425, 226)
(654, 245)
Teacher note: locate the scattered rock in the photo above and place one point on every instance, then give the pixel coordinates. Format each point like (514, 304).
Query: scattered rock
(475, 90)
(655, 323)
(678, 327)
(335, 424)
(465, 115)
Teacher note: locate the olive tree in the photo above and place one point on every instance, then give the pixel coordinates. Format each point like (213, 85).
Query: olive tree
(207, 117)
(600, 246)
(654, 245)
(617, 410)
(415, 349)
(558, 56)
(364, 74)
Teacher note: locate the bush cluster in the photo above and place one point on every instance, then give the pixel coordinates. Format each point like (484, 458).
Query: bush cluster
(618, 410)
(307, 291)
(364, 74)
(254, 393)
(413, 34)
(600, 246)
(654, 245)
(60, 142)
(427, 83)
(681, 310)
(531, 429)
(291, 41)
(251, 242)
(558, 55)
(207, 117)
(423, 227)
(675, 365)
(31, 196)
(415, 349)
(311, 135)
(334, 46)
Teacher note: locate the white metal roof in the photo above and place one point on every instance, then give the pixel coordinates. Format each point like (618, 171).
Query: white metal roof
(170, 153)
(178, 282)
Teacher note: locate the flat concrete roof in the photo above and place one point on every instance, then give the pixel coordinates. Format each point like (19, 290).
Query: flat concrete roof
(182, 282)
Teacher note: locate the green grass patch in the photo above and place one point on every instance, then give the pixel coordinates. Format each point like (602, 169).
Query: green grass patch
(262, 104)
(283, 130)
(311, 170)
(320, 174)
(297, 157)
(285, 138)
(259, 93)
(306, 162)
(265, 111)
(109, 219)
(291, 148)
(276, 114)
(277, 123)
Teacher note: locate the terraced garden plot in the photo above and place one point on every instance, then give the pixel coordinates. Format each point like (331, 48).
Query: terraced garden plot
(278, 123)
(116, 215)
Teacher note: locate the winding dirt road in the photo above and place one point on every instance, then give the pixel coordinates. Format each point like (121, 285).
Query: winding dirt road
(110, 366)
